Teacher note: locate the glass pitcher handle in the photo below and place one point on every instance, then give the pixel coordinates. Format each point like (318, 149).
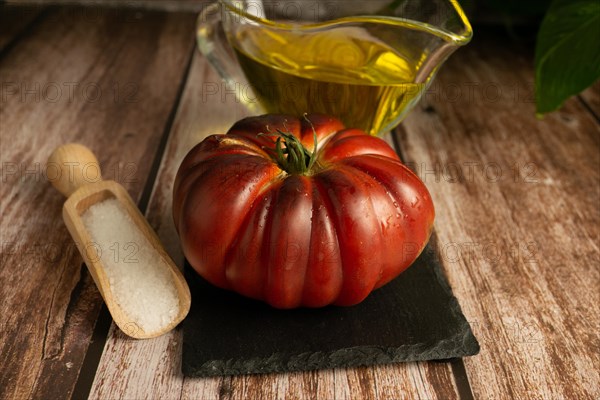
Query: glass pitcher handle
(213, 44)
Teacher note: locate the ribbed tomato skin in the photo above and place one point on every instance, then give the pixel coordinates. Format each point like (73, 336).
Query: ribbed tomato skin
(359, 220)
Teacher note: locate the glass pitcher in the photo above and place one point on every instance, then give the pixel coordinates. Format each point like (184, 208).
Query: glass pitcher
(366, 62)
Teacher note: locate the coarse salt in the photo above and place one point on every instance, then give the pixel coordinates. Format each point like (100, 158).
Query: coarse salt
(140, 280)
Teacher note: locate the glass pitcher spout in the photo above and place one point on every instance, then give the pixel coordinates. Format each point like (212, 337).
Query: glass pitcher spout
(366, 62)
(443, 20)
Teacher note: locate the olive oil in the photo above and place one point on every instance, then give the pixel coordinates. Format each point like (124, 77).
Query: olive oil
(345, 72)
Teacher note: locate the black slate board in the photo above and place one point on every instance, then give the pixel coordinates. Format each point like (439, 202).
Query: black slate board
(415, 317)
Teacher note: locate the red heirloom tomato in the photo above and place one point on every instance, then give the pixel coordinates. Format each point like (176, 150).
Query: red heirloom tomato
(261, 212)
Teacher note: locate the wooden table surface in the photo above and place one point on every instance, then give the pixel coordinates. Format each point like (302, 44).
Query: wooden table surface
(517, 199)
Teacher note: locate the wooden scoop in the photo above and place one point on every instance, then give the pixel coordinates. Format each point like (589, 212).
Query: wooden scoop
(80, 181)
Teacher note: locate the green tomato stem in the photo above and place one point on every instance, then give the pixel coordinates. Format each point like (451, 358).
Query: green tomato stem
(291, 155)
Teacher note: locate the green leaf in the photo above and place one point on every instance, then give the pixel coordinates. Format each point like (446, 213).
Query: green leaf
(567, 54)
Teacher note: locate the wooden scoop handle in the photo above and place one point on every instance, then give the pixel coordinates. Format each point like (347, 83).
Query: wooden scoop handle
(77, 166)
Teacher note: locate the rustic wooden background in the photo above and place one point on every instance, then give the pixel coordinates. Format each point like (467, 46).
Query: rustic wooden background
(517, 199)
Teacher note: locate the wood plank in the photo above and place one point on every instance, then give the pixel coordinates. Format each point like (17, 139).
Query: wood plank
(159, 5)
(591, 97)
(107, 80)
(518, 221)
(124, 370)
(14, 20)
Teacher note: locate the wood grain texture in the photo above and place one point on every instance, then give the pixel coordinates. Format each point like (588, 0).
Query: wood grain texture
(591, 97)
(107, 80)
(124, 368)
(14, 21)
(518, 221)
(518, 218)
(160, 5)
(207, 108)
